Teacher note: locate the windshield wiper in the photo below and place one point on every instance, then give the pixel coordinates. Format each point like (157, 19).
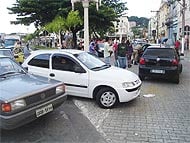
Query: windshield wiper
(11, 72)
(100, 67)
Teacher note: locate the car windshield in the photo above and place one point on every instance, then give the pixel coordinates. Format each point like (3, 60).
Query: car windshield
(91, 62)
(6, 53)
(9, 67)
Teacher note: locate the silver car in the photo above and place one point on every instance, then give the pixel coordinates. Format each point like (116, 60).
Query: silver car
(25, 97)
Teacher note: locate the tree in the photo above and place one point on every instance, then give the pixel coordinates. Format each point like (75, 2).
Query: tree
(39, 12)
(42, 12)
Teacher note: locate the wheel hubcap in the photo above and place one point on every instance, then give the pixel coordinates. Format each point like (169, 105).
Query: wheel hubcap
(108, 99)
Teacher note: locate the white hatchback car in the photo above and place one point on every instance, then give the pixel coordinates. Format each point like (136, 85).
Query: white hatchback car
(85, 75)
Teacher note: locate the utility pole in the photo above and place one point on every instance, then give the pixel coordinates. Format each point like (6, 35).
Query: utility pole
(157, 21)
(182, 28)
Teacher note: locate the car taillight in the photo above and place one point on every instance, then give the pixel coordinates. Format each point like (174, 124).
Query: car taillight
(175, 62)
(142, 61)
(6, 107)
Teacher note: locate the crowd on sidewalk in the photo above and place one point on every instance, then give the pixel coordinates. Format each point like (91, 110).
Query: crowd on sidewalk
(125, 52)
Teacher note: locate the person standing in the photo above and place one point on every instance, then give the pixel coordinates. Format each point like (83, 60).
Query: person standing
(107, 51)
(26, 51)
(177, 46)
(129, 53)
(92, 48)
(115, 47)
(122, 52)
(136, 49)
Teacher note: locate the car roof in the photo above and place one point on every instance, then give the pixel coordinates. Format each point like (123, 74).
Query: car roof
(68, 51)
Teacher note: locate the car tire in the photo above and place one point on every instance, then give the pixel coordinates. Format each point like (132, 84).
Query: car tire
(141, 77)
(107, 98)
(176, 79)
(181, 68)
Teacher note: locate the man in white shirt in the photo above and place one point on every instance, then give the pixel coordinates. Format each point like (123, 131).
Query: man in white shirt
(108, 50)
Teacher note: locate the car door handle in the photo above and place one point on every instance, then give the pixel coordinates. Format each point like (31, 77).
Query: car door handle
(52, 74)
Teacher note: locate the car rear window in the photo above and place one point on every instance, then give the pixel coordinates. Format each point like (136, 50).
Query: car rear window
(160, 52)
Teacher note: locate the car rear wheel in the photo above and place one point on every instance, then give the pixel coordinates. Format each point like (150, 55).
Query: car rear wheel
(107, 98)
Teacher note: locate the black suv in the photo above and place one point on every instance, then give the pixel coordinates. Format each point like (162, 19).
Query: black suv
(160, 62)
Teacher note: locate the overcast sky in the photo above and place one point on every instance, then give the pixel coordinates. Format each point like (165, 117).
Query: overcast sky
(140, 8)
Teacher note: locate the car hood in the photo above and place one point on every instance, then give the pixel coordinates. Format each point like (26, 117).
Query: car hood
(14, 87)
(116, 74)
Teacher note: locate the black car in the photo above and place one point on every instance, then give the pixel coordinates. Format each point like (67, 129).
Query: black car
(160, 62)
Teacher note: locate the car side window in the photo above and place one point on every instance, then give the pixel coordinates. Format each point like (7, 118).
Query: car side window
(40, 61)
(60, 62)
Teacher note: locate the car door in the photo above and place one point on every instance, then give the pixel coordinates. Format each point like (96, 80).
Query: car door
(68, 70)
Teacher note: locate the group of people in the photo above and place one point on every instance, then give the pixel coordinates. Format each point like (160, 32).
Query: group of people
(125, 53)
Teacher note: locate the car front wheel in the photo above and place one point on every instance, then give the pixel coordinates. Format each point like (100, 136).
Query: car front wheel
(107, 98)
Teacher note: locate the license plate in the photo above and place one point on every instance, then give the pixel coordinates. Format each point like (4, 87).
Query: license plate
(158, 71)
(44, 110)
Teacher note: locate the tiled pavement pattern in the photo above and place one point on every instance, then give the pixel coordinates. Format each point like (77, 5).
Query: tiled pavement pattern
(163, 118)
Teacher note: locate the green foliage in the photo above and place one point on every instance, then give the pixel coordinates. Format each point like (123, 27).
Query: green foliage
(141, 22)
(39, 12)
(73, 21)
(56, 25)
(52, 13)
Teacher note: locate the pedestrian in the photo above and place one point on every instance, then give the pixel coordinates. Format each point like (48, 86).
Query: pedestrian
(92, 48)
(122, 54)
(26, 51)
(108, 51)
(177, 46)
(115, 47)
(129, 53)
(135, 54)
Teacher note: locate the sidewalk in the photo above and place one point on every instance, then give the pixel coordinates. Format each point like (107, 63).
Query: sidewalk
(186, 56)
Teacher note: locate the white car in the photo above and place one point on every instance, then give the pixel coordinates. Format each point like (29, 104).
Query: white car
(85, 75)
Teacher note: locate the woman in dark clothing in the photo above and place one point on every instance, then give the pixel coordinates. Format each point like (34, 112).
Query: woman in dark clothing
(129, 52)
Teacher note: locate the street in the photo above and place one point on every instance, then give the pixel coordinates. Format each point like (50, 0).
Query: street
(160, 114)
(65, 125)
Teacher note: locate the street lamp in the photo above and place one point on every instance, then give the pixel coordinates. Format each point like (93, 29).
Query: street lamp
(85, 4)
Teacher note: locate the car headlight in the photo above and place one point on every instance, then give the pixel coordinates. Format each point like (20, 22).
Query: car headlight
(128, 84)
(18, 104)
(60, 89)
(131, 84)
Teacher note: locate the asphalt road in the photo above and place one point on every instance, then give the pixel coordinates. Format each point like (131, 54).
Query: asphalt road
(65, 125)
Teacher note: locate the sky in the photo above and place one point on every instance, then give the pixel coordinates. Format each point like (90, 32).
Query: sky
(140, 8)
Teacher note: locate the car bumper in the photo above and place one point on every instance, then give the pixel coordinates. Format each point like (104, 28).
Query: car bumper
(26, 116)
(128, 95)
(168, 72)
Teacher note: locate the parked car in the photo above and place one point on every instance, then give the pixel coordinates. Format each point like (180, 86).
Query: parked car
(160, 62)
(140, 52)
(7, 53)
(85, 75)
(25, 97)
(100, 49)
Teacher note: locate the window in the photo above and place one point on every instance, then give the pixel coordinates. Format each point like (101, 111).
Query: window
(61, 62)
(40, 61)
